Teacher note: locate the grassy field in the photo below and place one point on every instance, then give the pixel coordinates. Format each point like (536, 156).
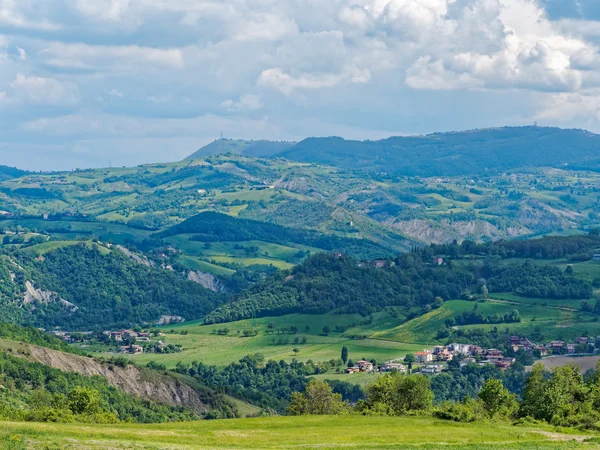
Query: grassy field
(324, 432)
(556, 323)
(201, 344)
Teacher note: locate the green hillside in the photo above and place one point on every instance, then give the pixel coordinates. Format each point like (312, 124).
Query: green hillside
(241, 147)
(79, 287)
(452, 154)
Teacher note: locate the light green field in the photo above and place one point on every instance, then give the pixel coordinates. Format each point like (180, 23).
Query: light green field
(362, 378)
(193, 263)
(316, 432)
(201, 345)
(45, 247)
(555, 323)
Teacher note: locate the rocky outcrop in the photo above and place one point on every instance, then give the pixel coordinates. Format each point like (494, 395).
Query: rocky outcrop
(207, 280)
(445, 231)
(134, 257)
(33, 295)
(142, 383)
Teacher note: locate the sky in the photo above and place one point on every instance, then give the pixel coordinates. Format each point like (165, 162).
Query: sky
(88, 83)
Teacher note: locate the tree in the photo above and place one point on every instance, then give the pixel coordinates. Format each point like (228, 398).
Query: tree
(496, 398)
(296, 351)
(484, 291)
(397, 394)
(345, 354)
(409, 359)
(317, 399)
(84, 400)
(326, 330)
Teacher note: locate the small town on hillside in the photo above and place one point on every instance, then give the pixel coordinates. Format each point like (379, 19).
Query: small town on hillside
(436, 360)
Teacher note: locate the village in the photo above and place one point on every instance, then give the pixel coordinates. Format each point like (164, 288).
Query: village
(123, 341)
(435, 360)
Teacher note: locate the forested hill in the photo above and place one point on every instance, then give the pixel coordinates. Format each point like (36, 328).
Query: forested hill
(452, 154)
(256, 149)
(7, 173)
(215, 227)
(82, 288)
(410, 284)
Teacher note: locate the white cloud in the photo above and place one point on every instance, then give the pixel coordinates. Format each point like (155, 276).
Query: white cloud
(248, 102)
(100, 57)
(16, 13)
(286, 83)
(50, 91)
(363, 65)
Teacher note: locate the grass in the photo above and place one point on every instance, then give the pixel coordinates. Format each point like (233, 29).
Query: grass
(200, 344)
(555, 323)
(316, 432)
(362, 378)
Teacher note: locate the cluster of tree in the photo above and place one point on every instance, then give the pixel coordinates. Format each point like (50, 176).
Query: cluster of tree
(330, 282)
(476, 317)
(410, 283)
(577, 247)
(214, 227)
(108, 289)
(269, 385)
(35, 392)
(563, 398)
(537, 281)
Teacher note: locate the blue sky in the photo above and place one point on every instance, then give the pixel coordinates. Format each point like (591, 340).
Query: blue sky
(83, 82)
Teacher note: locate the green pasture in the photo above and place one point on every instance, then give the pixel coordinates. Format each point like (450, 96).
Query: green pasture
(554, 322)
(308, 432)
(201, 344)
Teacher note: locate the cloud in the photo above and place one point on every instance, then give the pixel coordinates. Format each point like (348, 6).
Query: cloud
(276, 78)
(248, 102)
(40, 90)
(127, 69)
(122, 58)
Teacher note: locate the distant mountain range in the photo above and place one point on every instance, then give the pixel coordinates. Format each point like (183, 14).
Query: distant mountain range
(440, 154)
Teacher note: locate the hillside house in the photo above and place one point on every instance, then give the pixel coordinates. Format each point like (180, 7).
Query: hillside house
(445, 355)
(543, 350)
(431, 369)
(570, 348)
(596, 257)
(463, 349)
(390, 367)
(493, 354)
(365, 366)
(557, 346)
(423, 357)
(581, 340)
(116, 335)
(438, 261)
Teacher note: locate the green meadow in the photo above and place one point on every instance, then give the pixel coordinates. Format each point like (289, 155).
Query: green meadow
(201, 343)
(308, 432)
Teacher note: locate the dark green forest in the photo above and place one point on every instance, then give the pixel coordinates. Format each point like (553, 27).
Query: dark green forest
(331, 283)
(108, 290)
(450, 154)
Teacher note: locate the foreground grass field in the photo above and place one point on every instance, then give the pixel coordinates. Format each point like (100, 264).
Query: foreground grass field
(324, 432)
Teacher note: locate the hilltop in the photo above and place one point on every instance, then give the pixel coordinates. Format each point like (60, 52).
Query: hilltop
(456, 153)
(257, 149)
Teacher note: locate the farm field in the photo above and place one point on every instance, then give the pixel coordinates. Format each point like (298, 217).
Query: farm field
(324, 432)
(201, 343)
(584, 362)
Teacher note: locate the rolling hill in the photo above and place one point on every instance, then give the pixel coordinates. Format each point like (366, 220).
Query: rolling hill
(257, 149)
(453, 154)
